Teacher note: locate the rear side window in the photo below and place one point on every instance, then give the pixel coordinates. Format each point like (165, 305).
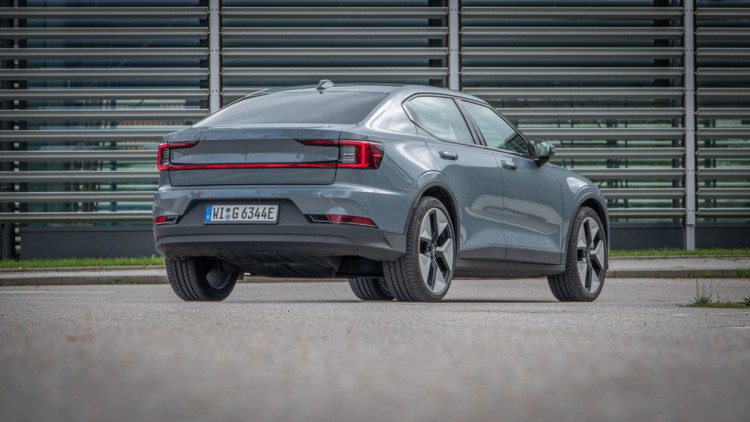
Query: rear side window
(497, 132)
(297, 107)
(441, 118)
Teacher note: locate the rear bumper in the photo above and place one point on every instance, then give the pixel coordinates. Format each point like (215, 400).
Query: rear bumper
(294, 246)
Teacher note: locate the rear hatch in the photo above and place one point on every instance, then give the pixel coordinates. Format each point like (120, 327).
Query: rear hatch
(252, 155)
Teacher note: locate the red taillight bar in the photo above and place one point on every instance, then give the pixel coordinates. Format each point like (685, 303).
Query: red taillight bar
(352, 154)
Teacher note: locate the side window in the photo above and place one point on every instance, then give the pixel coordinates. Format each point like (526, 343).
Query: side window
(496, 131)
(440, 117)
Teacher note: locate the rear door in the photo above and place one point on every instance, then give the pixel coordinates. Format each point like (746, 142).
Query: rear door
(532, 217)
(472, 174)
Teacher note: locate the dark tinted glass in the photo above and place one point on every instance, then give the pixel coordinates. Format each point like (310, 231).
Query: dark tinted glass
(297, 107)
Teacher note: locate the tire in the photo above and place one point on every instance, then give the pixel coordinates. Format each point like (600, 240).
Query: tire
(586, 260)
(425, 272)
(198, 279)
(369, 288)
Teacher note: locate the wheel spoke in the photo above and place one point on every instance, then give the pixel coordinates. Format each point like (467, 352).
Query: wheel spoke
(445, 253)
(582, 269)
(434, 271)
(425, 262)
(587, 232)
(439, 283)
(425, 230)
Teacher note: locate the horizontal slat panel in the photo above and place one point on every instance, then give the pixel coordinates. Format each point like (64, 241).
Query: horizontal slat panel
(107, 33)
(343, 53)
(83, 135)
(341, 32)
(527, 32)
(714, 93)
(722, 13)
(112, 114)
(632, 173)
(724, 133)
(722, 72)
(358, 73)
(722, 33)
(591, 112)
(84, 196)
(548, 53)
(332, 12)
(115, 73)
(724, 212)
(724, 193)
(571, 73)
(734, 153)
(650, 193)
(723, 53)
(74, 155)
(78, 176)
(646, 212)
(91, 217)
(105, 12)
(569, 13)
(102, 94)
(491, 93)
(723, 113)
(604, 133)
(724, 173)
(620, 153)
(103, 53)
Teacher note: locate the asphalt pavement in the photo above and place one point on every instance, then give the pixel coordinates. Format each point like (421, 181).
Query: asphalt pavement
(662, 267)
(491, 351)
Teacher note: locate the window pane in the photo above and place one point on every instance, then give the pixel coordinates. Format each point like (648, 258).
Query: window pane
(497, 132)
(298, 107)
(440, 117)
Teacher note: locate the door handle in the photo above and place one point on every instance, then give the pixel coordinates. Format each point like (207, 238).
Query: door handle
(509, 164)
(447, 155)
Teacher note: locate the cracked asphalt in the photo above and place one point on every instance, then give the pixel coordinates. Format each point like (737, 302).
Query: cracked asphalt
(491, 351)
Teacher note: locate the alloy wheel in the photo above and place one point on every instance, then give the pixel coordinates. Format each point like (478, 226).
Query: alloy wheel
(591, 255)
(435, 250)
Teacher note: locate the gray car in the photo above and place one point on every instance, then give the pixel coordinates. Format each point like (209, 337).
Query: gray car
(398, 188)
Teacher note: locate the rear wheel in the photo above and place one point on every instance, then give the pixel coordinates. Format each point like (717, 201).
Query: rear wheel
(586, 261)
(425, 272)
(200, 279)
(369, 288)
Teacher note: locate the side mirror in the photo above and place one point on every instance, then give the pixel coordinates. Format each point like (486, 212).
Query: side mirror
(543, 151)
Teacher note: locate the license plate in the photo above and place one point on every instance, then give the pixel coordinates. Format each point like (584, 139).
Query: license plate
(267, 214)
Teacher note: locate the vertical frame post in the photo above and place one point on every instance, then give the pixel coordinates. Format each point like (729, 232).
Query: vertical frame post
(214, 55)
(454, 45)
(690, 124)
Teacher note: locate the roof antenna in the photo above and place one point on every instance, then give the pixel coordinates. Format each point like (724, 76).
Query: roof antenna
(324, 84)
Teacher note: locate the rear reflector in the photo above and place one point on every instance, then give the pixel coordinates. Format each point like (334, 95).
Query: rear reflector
(341, 219)
(165, 219)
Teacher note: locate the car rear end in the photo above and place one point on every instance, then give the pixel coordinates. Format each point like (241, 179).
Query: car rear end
(281, 185)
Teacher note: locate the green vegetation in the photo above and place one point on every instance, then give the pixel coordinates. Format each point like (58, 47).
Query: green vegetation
(664, 252)
(707, 296)
(83, 262)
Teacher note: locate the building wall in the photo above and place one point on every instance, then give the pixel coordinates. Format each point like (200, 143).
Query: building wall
(89, 87)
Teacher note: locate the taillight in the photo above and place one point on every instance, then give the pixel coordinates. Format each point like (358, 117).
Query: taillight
(165, 153)
(164, 219)
(354, 154)
(360, 154)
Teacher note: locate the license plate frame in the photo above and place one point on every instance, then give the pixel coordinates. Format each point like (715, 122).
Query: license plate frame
(241, 214)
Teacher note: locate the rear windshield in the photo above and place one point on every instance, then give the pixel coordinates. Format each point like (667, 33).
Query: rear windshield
(297, 107)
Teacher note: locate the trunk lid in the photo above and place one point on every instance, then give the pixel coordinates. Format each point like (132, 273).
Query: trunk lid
(254, 155)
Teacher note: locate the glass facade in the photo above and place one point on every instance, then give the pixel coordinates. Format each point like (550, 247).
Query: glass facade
(89, 87)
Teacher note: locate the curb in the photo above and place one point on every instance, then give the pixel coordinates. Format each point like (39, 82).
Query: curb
(103, 276)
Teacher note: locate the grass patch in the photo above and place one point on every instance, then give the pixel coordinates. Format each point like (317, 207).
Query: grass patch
(664, 252)
(83, 262)
(707, 296)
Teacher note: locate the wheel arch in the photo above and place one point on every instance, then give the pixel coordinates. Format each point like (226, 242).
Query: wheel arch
(439, 190)
(595, 202)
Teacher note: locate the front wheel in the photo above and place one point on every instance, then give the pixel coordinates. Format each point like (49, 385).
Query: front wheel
(586, 260)
(425, 272)
(200, 279)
